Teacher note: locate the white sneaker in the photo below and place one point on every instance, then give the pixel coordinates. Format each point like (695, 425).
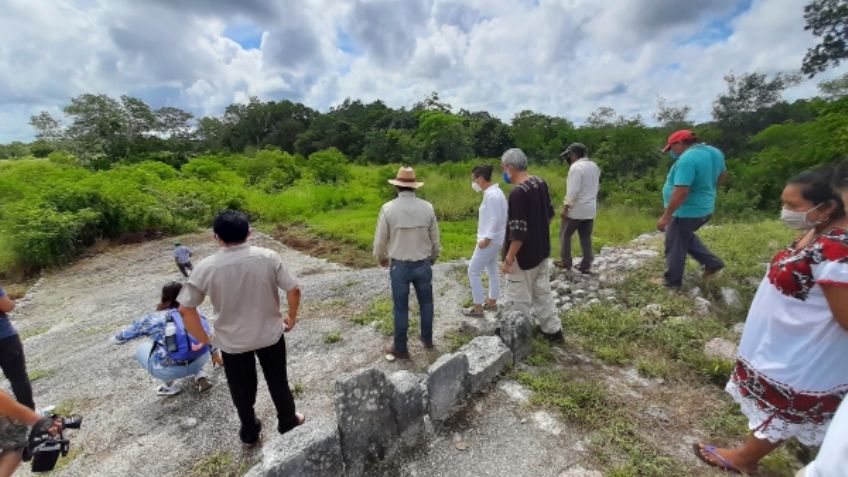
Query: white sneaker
(168, 390)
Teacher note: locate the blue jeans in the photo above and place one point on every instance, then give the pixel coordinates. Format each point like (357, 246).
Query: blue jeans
(420, 275)
(167, 373)
(680, 240)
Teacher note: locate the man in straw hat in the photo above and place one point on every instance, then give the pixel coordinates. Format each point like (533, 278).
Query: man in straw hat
(407, 241)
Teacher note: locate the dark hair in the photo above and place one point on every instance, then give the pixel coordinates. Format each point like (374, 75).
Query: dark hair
(405, 189)
(170, 292)
(816, 187)
(484, 171)
(231, 226)
(692, 140)
(840, 177)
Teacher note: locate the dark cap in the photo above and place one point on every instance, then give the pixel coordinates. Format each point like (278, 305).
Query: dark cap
(574, 148)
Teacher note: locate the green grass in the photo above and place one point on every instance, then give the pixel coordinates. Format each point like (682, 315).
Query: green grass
(616, 444)
(30, 332)
(582, 402)
(37, 374)
(333, 337)
(297, 390)
(379, 314)
(221, 464)
(622, 336)
(457, 339)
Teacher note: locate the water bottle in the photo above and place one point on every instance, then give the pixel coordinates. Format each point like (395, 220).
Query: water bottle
(171, 336)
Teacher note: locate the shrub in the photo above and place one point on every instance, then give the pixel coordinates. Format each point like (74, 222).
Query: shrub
(329, 166)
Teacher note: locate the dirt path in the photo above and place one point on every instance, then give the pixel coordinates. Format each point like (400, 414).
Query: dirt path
(68, 316)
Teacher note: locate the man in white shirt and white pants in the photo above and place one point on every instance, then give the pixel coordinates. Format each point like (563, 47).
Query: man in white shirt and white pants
(491, 230)
(579, 207)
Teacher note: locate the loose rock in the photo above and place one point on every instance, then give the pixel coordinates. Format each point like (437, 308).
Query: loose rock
(487, 358)
(720, 348)
(447, 384)
(516, 334)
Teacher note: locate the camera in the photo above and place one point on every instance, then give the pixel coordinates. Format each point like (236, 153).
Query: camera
(44, 449)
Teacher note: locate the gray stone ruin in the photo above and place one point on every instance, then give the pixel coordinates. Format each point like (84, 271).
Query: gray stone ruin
(379, 416)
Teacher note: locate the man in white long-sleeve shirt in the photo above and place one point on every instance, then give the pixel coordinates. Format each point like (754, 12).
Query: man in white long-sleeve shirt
(491, 229)
(579, 207)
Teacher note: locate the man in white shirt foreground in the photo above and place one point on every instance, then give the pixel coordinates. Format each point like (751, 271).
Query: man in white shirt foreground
(579, 207)
(491, 229)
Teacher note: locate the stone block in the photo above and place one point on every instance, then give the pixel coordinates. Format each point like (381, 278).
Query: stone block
(367, 427)
(310, 450)
(487, 358)
(720, 348)
(731, 297)
(447, 384)
(408, 407)
(479, 326)
(516, 334)
(702, 306)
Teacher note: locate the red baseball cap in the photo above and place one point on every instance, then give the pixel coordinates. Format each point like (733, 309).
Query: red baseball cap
(677, 136)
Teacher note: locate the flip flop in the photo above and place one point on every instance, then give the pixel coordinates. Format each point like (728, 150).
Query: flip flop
(723, 463)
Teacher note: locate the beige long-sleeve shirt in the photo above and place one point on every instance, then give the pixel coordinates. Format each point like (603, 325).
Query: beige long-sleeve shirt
(407, 230)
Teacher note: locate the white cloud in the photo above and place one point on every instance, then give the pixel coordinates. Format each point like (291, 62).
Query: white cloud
(562, 57)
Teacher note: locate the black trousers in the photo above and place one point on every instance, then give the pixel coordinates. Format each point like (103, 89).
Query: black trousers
(14, 367)
(185, 266)
(240, 369)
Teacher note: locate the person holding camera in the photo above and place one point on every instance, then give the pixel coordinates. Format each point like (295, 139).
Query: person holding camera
(17, 423)
(169, 356)
(12, 359)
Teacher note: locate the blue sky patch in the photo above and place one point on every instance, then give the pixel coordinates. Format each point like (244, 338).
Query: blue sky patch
(246, 34)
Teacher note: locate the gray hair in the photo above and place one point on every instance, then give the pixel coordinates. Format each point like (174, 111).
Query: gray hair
(514, 158)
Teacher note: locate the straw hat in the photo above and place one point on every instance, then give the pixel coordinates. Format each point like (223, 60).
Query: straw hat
(405, 178)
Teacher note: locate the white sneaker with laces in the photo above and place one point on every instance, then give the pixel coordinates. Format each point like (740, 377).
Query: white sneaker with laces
(168, 389)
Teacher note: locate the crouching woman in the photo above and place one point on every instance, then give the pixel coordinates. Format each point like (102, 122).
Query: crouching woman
(172, 353)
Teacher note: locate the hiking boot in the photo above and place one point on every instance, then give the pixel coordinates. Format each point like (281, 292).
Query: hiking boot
(168, 389)
(490, 307)
(251, 436)
(555, 338)
(392, 355)
(472, 312)
(426, 345)
(708, 272)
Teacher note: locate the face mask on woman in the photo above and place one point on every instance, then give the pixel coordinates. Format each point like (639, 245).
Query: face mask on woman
(476, 187)
(798, 220)
(673, 155)
(506, 178)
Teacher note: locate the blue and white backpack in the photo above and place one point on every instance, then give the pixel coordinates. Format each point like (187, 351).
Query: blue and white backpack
(184, 339)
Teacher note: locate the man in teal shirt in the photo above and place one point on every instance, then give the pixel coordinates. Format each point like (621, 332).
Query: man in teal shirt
(689, 200)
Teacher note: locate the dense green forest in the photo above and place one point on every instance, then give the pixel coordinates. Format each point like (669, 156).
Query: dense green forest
(118, 167)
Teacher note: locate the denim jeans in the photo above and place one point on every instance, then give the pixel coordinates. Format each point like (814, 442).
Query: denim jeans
(420, 275)
(484, 260)
(167, 373)
(680, 240)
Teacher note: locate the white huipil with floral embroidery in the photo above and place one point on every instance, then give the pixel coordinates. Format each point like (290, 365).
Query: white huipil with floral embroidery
(792, 341)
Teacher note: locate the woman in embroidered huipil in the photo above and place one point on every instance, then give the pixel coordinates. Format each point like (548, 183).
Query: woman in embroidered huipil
(791, 371)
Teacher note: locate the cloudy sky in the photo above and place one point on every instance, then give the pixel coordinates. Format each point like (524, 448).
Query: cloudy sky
(559, 57)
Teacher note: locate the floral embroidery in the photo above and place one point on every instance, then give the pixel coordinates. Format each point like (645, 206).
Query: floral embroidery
(791, 271)
(781, 401)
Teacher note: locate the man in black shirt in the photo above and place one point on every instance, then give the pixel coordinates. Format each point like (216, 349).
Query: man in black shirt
(527, 247)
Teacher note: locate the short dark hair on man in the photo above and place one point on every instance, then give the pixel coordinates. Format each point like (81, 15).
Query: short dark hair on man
(231, 226)
(484, 171)
(405, 189)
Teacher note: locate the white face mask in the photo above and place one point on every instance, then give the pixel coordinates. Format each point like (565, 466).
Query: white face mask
(476, 187)
(798, 220)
